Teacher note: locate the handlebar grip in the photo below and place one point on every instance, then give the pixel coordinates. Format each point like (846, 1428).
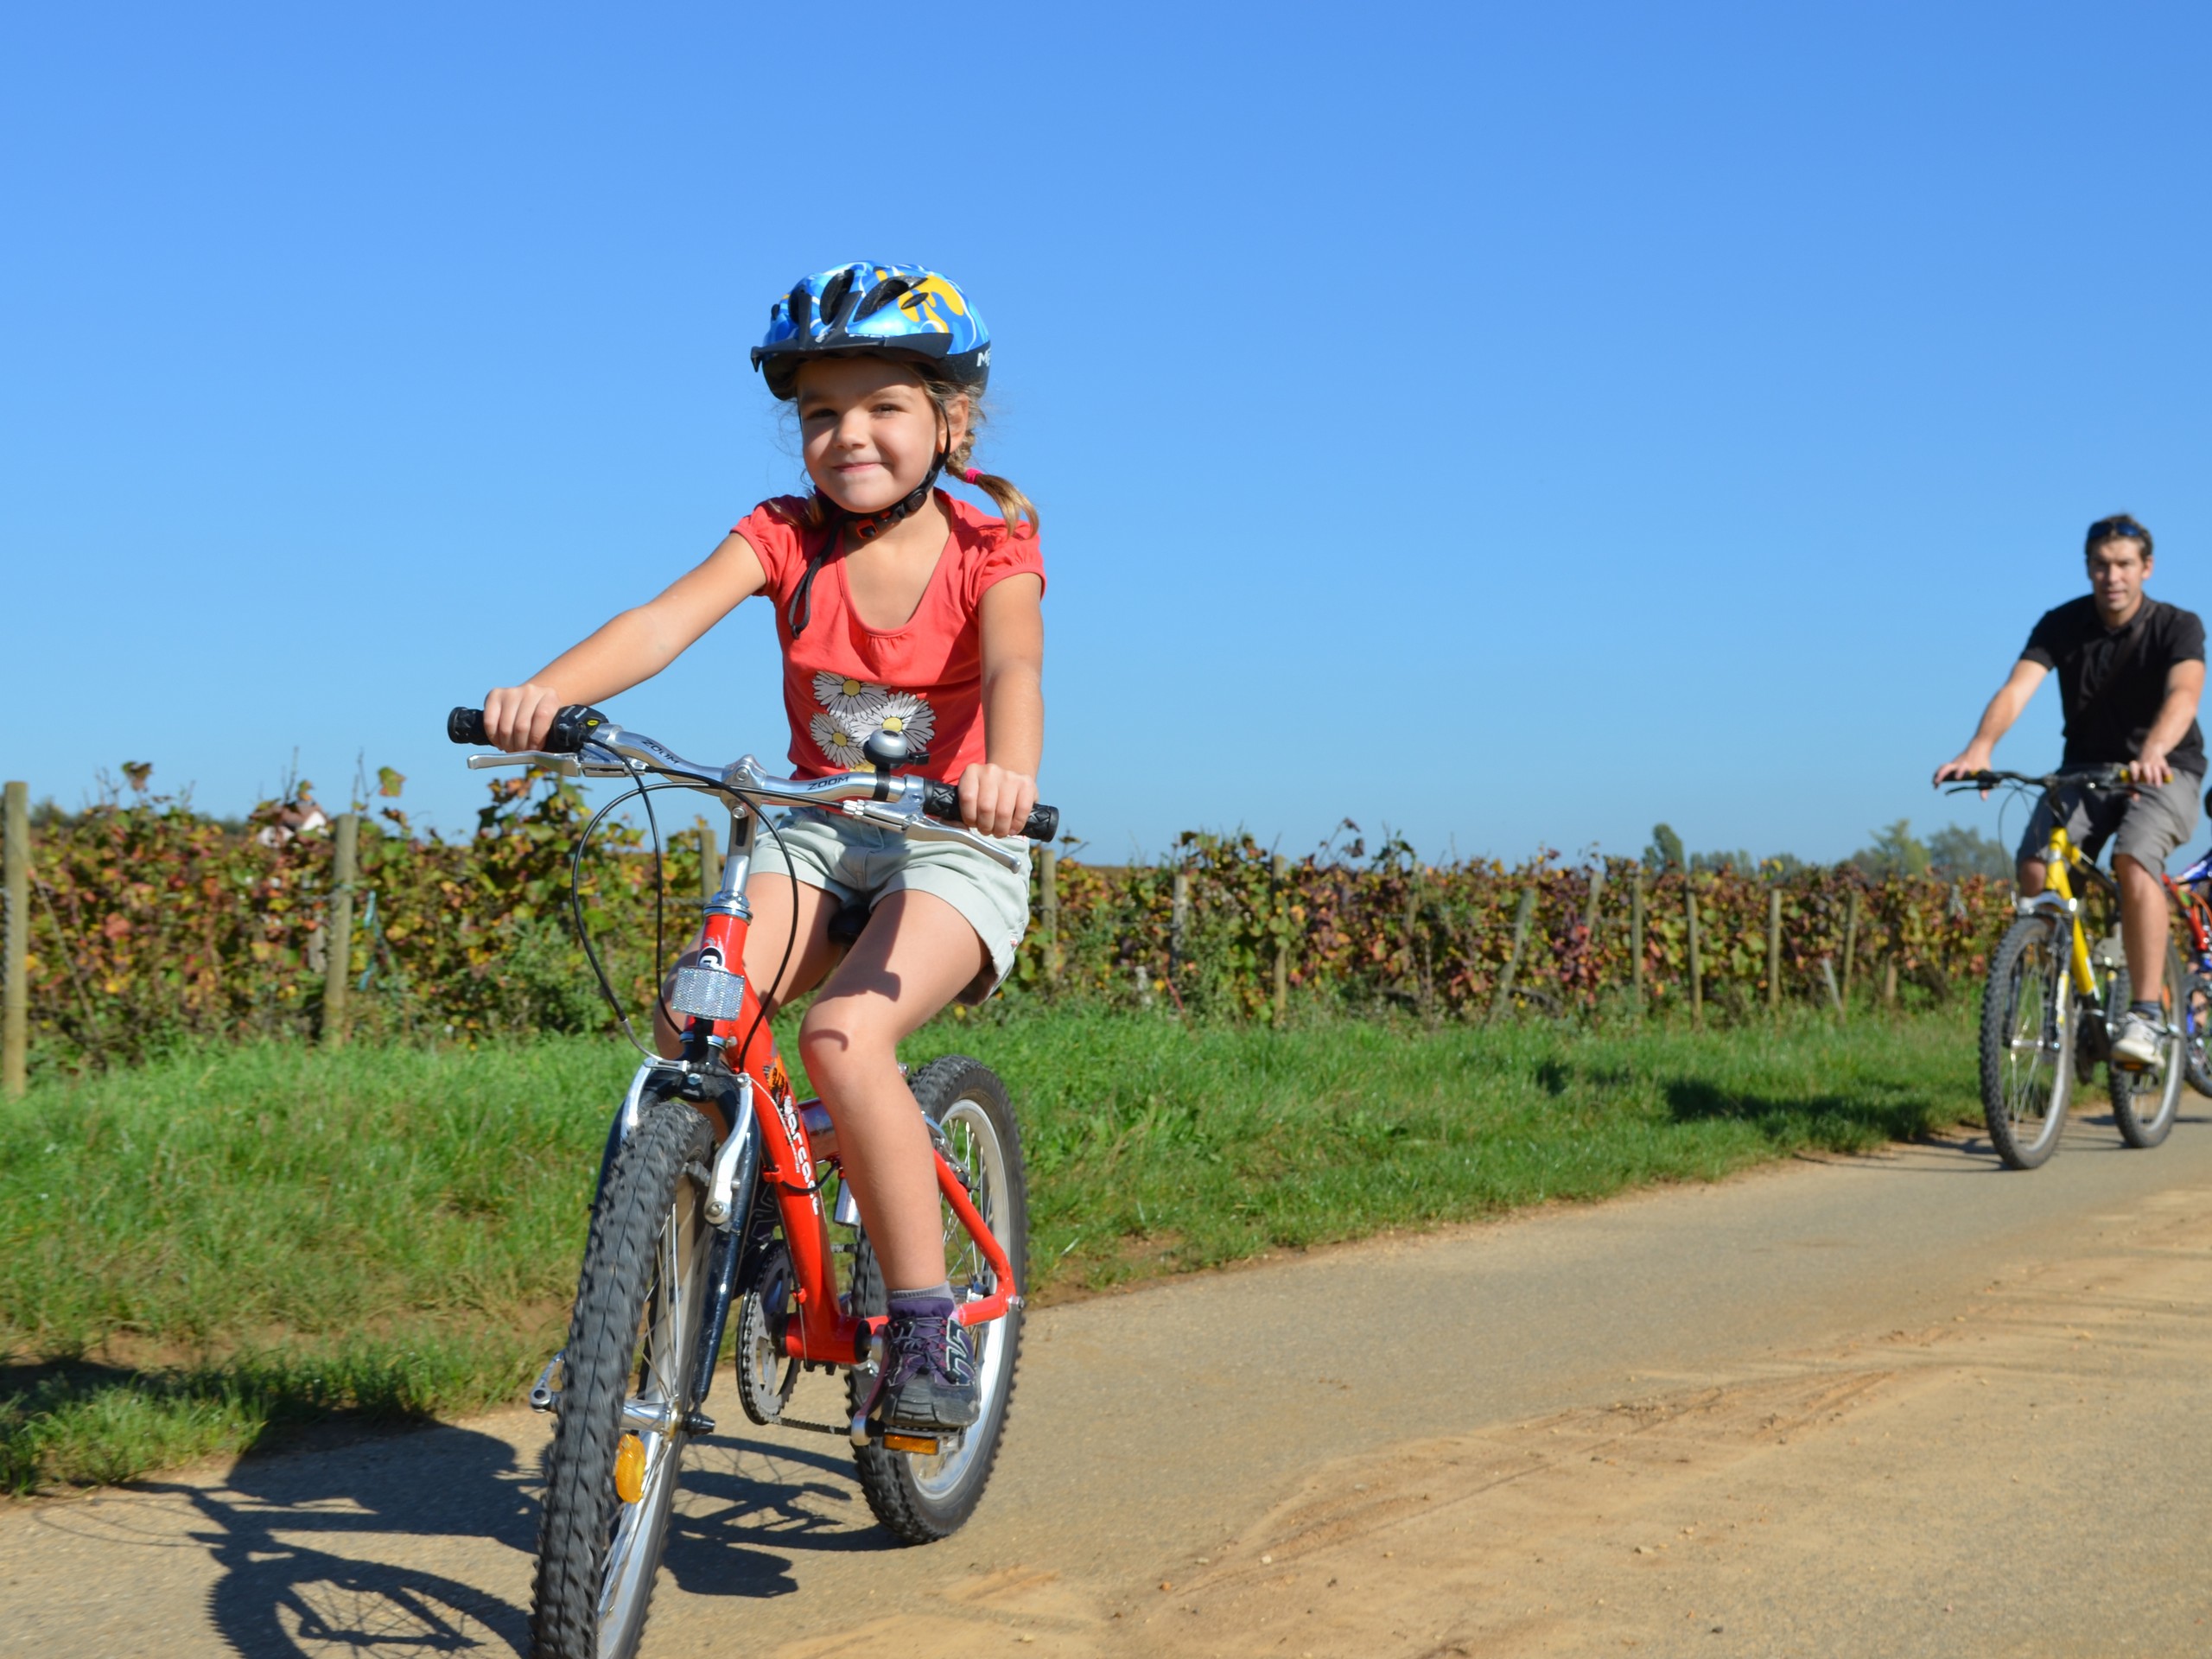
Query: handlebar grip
(571, 728)
(942, 802)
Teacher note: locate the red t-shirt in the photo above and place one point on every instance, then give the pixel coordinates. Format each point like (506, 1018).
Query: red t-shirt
(843, 680)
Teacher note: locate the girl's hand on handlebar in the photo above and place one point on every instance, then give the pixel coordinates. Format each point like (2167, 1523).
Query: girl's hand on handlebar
(517, 717)
(994, 800)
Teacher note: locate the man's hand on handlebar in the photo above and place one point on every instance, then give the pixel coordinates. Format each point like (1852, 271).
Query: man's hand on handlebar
(996, 801)
(517, 717)
(2151, 770)
(1975, 758)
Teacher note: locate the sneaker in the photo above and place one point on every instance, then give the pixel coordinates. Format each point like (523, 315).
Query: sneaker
(2135, 1042)
(929, 1374)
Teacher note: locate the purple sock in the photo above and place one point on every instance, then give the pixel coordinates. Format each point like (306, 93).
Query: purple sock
(930, 1302)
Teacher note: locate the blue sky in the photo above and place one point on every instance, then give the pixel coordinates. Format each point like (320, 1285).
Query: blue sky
(1515, 426)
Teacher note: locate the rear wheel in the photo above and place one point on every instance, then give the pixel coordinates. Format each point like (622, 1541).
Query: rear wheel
(618, 1445)
(2027, 1042)
(923, 1498)
(2144, 1103)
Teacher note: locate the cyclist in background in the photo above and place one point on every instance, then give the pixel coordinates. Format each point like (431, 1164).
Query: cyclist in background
(2131, 670)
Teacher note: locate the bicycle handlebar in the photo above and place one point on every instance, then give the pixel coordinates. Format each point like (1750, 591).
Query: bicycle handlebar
(577, 728)
(2111, 778)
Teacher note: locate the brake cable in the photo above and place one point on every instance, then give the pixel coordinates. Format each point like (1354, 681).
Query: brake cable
(644, 791)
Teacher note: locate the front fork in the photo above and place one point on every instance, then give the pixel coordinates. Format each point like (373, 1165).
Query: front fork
(731, 1188)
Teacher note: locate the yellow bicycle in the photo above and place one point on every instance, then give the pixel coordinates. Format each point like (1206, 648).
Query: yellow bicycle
(2054, 996)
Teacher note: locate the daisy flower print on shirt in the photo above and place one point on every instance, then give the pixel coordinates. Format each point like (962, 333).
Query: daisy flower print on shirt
(855, 710)
(848, 699)
(909, 715)
(840, 741)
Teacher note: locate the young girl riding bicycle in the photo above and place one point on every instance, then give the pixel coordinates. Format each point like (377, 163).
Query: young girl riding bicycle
(903, 610)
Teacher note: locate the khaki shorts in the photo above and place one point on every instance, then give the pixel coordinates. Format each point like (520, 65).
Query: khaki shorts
(2146, 826)
(854, 861)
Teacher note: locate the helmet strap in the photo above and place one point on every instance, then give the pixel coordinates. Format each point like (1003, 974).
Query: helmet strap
(862, 527)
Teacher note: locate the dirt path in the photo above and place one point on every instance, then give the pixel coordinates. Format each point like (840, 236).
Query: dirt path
(1897, 1405)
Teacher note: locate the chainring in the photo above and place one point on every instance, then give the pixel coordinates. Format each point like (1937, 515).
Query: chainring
(766, 1373)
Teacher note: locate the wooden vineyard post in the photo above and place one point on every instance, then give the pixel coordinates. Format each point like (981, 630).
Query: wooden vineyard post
(1697, 968)
(15, 955)
(1835, 997)
(1282, 942)
(1774, 950)
(710, 860)
(338, 975)
(1502, 1003)
(1636, 936)
(1590, 910)
(1048, 910)
(1890, 982)
(1179, 925)
(1850, 950)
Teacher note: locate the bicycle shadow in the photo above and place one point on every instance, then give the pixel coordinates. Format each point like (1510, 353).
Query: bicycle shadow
(744, 1501)
(1898, 1115)
(1879, 1110)
(317, 1550)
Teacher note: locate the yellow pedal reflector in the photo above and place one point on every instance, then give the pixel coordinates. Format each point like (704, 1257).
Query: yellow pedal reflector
(922, 1443)
(630, 1469)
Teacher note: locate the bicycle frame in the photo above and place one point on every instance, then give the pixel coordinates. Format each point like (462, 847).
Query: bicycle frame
(825, 1331)
(2061, 856)
(2193, 912)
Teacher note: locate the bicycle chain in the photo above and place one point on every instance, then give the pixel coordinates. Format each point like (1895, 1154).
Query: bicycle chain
(841, 1430)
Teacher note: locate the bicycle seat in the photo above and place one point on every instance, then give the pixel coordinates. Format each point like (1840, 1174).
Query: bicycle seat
(849, 923)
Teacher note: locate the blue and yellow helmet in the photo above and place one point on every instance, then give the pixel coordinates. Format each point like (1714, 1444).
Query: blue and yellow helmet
(864, 307)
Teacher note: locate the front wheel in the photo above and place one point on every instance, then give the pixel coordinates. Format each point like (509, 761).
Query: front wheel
(617, 1446)
(2199, 1009)
(2144, 1104)
(922, 1498)
(2027, 1041)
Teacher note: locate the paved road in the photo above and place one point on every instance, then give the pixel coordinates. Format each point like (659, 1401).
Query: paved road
(1906, 1404)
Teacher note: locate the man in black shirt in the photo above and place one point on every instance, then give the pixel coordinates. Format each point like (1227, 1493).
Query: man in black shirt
(2130, 672)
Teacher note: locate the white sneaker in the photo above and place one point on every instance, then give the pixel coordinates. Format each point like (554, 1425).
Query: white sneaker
(2135, 1043)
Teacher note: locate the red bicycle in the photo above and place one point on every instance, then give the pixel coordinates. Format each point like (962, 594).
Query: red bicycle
(711, 1202)
(2195, 913)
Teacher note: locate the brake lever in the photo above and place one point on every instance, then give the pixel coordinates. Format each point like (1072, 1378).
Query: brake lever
(581, 764)
(909, 822)
(931, 829)
(564, 764)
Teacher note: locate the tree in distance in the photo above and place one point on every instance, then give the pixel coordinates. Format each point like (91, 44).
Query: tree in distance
(1954, 851)
(1666, 853)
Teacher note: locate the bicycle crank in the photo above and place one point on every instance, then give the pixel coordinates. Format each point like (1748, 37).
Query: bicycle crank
(544, 1395)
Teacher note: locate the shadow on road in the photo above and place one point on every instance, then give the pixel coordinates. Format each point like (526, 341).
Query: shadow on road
(744, 1503)
(1875, 1110)
(292, 1588)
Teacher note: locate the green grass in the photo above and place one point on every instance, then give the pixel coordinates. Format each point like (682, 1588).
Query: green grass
(204, 1253)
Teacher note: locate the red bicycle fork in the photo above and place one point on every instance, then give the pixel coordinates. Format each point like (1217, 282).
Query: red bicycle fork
(825, 1331)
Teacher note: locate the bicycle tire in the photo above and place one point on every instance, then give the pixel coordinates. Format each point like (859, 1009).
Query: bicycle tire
(2199, 1073)
(638, 1301)
(2023, 1101)
(920, 1499)
(2140, 1127)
